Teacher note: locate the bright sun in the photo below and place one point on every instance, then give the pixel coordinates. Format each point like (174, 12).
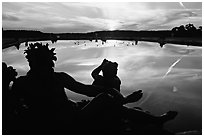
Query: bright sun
(112, 25)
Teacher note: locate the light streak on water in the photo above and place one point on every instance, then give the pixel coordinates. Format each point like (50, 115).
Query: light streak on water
(173, 65)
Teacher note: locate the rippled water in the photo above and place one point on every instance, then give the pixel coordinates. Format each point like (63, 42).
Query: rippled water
(170, 77)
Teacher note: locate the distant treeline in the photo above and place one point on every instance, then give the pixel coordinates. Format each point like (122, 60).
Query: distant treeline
(23, 34)
(188, 30)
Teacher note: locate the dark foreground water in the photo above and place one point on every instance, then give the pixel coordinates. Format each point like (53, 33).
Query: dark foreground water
(170, 77)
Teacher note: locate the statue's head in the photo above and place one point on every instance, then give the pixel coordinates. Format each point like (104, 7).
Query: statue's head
(40, 57)
(110, 69)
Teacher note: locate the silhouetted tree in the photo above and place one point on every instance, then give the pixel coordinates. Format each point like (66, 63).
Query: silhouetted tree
(181, 28)
(200, 28)
(190, 28)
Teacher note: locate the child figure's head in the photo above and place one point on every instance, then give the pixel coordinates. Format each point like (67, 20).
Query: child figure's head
(110, 69)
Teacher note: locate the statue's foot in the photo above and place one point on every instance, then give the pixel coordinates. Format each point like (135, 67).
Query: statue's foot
(170, 115)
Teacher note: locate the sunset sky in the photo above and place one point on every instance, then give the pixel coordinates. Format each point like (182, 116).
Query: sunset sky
(89, 16)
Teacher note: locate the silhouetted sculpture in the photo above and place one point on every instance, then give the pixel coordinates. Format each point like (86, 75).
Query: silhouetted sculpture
(110, 80)
(47, 110)
(8, 74)
(17, 45)
(41, 91)
(136, 42)
(8, 99)
(26, 43)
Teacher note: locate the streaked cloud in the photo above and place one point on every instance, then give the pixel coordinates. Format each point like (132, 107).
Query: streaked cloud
(10, 17)
(90, 16)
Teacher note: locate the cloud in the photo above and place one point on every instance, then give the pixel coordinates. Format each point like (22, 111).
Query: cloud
(7, 17)
(167, 19)
(179, 15)
(68, 29)
(84, 17)
(82, 9)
